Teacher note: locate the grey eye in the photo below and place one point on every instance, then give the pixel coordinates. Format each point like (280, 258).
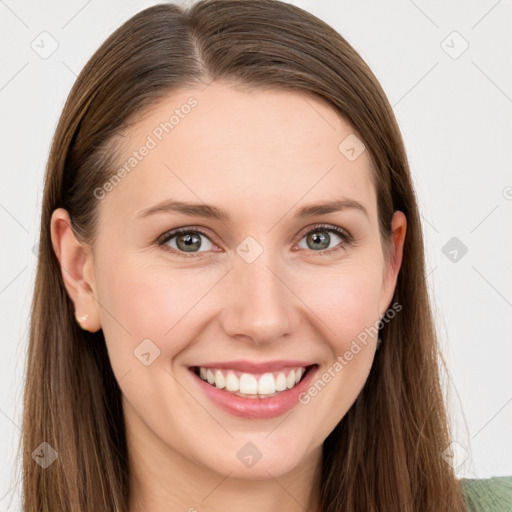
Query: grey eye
(189, 241)
(320, 239)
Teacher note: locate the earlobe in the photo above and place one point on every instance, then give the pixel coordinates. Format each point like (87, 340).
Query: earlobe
(74, 258)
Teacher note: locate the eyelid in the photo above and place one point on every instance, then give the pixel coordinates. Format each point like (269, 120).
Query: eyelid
(327, 227)
(165, 237)
(347, 237)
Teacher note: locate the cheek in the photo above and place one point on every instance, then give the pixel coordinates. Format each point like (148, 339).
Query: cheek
(150, 301)
(346, 302)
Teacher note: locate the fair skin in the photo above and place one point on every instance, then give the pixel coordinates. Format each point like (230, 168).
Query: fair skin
(260, 156)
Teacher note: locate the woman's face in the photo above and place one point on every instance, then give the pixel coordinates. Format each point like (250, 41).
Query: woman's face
(252, 280)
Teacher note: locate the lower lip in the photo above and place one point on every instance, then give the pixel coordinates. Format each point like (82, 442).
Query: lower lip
(256, 408)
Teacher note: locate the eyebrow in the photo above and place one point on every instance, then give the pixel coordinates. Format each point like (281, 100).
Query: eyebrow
(212, 212)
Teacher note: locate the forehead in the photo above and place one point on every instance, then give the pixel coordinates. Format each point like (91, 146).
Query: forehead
(240, 147)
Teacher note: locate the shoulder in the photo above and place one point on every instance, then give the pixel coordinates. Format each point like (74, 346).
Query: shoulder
(488, 494)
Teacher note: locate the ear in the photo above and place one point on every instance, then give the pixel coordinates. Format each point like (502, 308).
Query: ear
(76, 264)
(392, 267)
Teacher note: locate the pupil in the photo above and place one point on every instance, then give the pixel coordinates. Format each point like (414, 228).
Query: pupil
(189, 242)
(323, 238)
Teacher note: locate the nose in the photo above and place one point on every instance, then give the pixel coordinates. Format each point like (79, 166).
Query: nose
(258, 302)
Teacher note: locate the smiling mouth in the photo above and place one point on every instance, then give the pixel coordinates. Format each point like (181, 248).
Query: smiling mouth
(251, 385)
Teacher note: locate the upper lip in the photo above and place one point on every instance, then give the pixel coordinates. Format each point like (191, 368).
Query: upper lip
(252, 367)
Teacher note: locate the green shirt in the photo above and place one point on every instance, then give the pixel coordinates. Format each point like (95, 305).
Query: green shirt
(488, 494)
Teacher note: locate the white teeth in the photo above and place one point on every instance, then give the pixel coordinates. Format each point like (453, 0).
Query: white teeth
(266, 384)
(220, 381)
(250, 385)
(290, 380)
(232, 382)
(281, 382)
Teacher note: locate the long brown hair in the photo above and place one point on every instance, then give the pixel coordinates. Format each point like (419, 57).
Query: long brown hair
(386, 452)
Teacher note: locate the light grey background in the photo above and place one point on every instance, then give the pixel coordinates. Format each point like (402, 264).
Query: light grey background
(455, 115)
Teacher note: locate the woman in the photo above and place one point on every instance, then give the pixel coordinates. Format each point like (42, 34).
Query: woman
(230, 307)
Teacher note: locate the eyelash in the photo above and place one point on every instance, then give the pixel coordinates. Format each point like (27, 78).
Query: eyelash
(345, 235)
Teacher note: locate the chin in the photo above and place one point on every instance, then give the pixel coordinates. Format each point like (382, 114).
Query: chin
(257, 458)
